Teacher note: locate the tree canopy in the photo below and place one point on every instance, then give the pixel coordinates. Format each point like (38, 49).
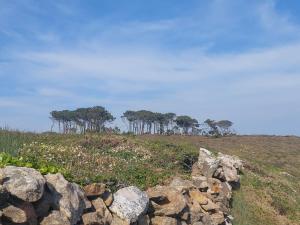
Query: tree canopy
(144, 121)
(186, 123)
(81, 119)
(218, 128)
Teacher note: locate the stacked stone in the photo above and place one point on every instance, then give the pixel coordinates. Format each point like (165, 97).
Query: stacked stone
(27, 197)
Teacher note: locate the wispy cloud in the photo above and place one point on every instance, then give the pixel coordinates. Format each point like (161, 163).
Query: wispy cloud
(143, 65)
(53, 92)
(275, 22)
(5, 102)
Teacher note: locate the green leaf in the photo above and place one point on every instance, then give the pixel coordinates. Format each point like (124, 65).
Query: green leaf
(28, 164)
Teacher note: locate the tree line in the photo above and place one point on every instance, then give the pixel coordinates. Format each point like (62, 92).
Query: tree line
(95, 119)
(81, 120)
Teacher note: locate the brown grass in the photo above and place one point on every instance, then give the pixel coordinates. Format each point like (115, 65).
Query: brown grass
(270, 192)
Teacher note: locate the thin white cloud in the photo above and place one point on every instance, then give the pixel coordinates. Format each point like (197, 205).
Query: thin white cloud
(269, 82)
(53, 92)
(275, 22)
(144, 27)
(139, 66)
(6, 102)
(48, 37)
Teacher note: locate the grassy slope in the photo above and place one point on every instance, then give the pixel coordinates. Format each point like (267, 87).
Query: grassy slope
(270, 191)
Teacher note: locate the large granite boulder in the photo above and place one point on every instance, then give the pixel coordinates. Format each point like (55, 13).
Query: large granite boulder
(67, 197)
(130, 203)
(24, 183)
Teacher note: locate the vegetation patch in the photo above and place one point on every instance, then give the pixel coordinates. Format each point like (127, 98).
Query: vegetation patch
(7, 159)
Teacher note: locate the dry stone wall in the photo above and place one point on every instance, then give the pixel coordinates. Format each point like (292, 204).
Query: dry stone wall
(27, 197)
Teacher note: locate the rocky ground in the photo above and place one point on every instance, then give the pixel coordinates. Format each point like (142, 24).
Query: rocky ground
(28, 197)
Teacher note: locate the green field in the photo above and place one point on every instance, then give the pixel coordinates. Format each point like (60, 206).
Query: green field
(270, 190)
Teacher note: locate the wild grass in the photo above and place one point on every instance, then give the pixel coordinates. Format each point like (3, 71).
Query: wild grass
(12, 141)
(114, 159)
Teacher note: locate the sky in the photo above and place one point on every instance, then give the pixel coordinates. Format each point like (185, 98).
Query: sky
(220, 59)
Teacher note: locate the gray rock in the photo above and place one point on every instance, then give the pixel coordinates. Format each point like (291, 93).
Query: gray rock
(43, 206)
(195, 212)
(226, 191)
(102, 211)
(2, 176)
(143, 220)
(210, 206)
(166, 201)
(231, 166)
(21, 212)
(206, 220)
(107, 197)
(68, 198)
(55, 218)
(130, 203)
(200, 182)
(230, 160)
(181, 185)
(88, 205)
(94, 189)
(24, 183)
(95, 218)
(197, 196)
(159, 220)
(196, 170)
(223, 167)
(207, 163)
(228, 220)
(14, 214)
(217, 218)
(214, 186)
(118, 221)
(3, 195)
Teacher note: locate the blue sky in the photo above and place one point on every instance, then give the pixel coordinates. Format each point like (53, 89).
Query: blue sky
(219, 59)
